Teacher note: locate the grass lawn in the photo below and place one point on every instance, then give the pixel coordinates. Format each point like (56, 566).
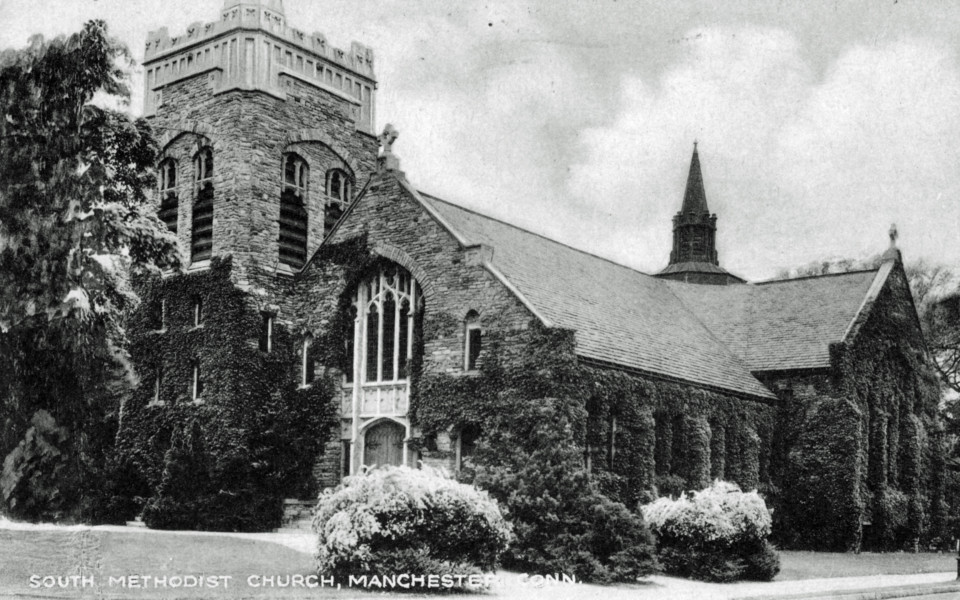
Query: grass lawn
(820, 565)
(105, 554)
(102, 554)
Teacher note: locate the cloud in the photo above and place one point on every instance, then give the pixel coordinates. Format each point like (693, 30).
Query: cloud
(796, 166)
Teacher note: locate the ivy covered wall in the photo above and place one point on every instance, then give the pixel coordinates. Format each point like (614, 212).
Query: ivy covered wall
(859, 446)
(262, 432)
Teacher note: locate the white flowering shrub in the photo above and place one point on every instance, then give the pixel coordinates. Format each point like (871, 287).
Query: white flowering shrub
(397, 520)
(718, 534)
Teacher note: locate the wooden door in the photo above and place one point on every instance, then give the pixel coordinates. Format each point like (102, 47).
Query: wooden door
(383, 444)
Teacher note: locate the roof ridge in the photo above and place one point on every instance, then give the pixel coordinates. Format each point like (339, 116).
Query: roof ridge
(539, 235)
(821, 276)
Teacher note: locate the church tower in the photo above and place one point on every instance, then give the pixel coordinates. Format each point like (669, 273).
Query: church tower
(693, 258)
(266, 136)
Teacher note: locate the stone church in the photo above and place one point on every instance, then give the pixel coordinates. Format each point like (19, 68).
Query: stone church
(817, 391)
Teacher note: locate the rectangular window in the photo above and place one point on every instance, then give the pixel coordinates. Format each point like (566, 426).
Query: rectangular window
(157, 384)
(197, 391)
(266, 333)
(474, 343)
(309, 368)
(197, 312)
(345, 465)
(612, 450)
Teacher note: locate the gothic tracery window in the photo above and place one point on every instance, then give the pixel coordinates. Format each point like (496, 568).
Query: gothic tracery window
(293, 212)
(386, 305)
(201, 244)
(169, 202)
(339, 192)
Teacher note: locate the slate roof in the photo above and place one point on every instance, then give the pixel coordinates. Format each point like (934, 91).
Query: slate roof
(620, 315)
(711, 335)
(778, 325)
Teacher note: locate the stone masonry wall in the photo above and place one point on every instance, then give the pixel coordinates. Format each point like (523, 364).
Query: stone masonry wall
(395, 226)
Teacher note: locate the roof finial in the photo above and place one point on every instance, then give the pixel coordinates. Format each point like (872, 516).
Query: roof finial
(387, 161)
(694, 144)
(893, 253)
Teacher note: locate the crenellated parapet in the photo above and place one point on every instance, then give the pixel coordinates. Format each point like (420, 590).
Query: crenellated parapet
(251, 47)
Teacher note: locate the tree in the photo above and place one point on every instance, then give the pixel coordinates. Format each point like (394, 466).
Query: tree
(75, 219)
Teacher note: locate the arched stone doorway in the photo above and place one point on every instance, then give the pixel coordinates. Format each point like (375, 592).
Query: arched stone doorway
(383, 444)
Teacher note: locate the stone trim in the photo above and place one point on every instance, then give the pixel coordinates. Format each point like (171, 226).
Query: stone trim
(179, 128)
(860, 317)
(319, 135)
(403, 259)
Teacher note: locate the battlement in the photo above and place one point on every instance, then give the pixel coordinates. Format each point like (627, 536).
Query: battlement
(263, 15)
(250, 48)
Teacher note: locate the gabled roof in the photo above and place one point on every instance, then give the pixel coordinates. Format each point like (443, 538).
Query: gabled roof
(714, 336)
(620, 315)
(781, 325)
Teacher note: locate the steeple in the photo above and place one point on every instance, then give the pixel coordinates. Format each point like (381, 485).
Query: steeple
(694, 256)
(694, 198)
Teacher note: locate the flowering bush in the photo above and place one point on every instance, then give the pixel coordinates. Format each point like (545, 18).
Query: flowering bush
(398, 520)
(718, 534)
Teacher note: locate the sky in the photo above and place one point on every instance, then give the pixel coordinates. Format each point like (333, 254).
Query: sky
(819, 122)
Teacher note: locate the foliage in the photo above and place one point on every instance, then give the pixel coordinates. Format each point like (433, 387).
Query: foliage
(262, 432)
(38, 474)
(395, 520)
(718, 534)
(74, 217)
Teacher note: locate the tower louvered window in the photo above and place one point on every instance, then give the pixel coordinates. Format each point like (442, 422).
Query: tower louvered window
(201, 244)
(339, 193)
(169, 203)
(293, 214)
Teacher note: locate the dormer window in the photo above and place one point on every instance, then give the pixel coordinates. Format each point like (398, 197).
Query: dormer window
(293, 212)
(339, 193)
(473, 342)
(169, 203)
(201, 241)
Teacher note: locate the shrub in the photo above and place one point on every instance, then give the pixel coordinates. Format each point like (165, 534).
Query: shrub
(562, 521)
(719, 534)
(37, 471)
(396, 520)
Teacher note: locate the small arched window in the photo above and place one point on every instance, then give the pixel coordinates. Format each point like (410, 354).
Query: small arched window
(169, 202)
(201, 243)
(293, 214)
(339, 193)
(473, 340)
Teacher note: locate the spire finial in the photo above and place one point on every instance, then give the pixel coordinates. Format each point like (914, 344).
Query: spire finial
(694, 144)
(894, 234)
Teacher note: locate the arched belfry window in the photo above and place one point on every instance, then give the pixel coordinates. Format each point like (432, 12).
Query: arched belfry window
(387, 304)
(169, 202)
(339, 193)
(293, 212)
(201, 241)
